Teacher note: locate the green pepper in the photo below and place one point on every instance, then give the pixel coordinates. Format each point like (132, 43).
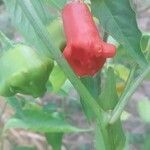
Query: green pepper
(23, 71)
(55, 28)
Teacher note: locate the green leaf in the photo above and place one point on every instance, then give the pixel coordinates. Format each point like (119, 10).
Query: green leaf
(119, 20)
(23, 24)
(144, 110)
(5, 42)
(42, 11)
(57, 78)
(56, 3)
(116, 135)
(145, 45)
(145, 42)
(24, 148)
(108, 100)
(122, 57)
(50, 107)
(65, 89)
(122, 71)
(40, 121)
(99, 143)
(67, 86)
(15, 103)
(93, 85)
(55, 140)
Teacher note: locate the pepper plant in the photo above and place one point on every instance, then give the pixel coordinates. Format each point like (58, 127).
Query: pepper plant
(64, 32)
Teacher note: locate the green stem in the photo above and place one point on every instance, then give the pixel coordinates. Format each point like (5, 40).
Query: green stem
(105, 141)
(148, 51)
(57, 55)
(127, 94)
(6, 43)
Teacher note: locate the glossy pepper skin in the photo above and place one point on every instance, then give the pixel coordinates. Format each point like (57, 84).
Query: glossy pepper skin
(85, 50)
(23, 72)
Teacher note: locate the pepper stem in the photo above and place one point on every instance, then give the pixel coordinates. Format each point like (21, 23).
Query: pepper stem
(5, 42)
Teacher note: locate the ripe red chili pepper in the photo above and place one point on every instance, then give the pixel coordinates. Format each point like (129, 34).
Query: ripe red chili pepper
(85, 50)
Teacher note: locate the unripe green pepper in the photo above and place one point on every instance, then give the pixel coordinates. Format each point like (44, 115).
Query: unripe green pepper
(23, 72)
(55, 28)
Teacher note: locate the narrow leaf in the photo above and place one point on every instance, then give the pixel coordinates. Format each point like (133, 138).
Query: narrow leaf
(16, 104)
(99, 143)
(23, 24)
(57, 78)
(40, 121)
(119, 20)
(56, 3)
(122, 71)
(145, 42)
(93, 85)
(24, 148)
(5, 42)
(108, 100)
(55, 140)
(42, 11)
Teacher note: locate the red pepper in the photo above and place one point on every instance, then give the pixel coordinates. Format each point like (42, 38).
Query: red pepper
(85, 50)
